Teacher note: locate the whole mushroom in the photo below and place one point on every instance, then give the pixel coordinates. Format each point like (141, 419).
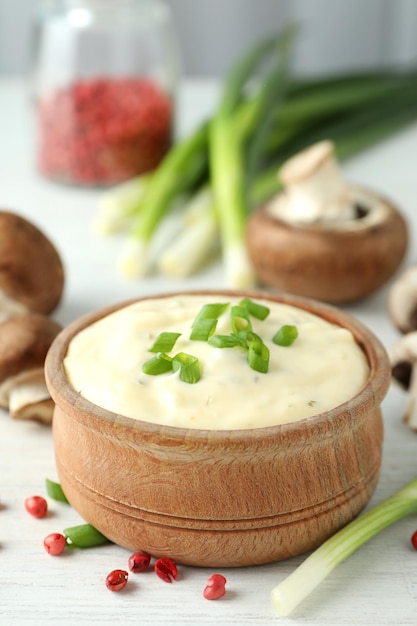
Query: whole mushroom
(403, 357)
(24, 342)
(31, 269)
(322, 237)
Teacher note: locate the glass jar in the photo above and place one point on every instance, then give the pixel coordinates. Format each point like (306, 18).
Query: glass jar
(105, 80)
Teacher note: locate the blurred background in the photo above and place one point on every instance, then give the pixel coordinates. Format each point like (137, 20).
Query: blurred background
(334, 35)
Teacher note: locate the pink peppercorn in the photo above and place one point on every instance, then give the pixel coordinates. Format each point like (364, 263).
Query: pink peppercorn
(117, 580)
(36, 506)
(55, 544)
(215, 588)
(166, 569)
(139, 561)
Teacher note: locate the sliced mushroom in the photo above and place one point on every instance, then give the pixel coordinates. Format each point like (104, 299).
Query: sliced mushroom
(403, 357)
(24, 342)
(31, 270)
(402, 301)
(322, 237)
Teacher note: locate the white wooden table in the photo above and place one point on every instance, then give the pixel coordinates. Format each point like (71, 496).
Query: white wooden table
(376, 586)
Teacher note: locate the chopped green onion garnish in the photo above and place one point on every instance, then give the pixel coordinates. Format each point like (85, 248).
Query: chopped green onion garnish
(257, 310)
(205, 323)
(285, 336)
(226, 341)
(258, 354)
(84, 536)
(54, 491)
(211, 311)
(165, 342)
(203, 329)
(240, 319)
(159, 364)
(188, 366)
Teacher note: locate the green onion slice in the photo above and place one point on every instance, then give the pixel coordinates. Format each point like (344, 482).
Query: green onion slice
(159, 364)
(202, 329)
(165, 342)
(84, 536)
(226, 341)
(258, 354)
(240, 319)
(188, 366)
(205, 323)
(257, 310)
(285, 336)
(55, 491)
(211, 311)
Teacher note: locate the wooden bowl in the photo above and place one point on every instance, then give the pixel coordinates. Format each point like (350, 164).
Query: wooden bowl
(220, 498)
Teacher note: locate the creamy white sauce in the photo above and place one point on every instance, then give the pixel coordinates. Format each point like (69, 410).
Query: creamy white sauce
(323, 368)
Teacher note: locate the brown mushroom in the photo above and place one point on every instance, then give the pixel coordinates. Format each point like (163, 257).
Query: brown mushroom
(31, 270)
(24, 343)
(403, 357)
(402, 301)
(323, 238)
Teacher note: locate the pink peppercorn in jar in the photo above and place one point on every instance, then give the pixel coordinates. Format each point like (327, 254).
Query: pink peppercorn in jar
(105, 81)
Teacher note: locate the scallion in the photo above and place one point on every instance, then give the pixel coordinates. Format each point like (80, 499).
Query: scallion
(205, 323)
(196, 243)
(55, 491)
(286, 335)
(188, 366)
(211, 311)
(240, 319)
(227, 154)
(84, 536)
(226, 341)
(159, 364)
(165, 342)
(118, 207)
(203, 329)
(255, 309)
(258, 354)
(180, 170)
(287, 595)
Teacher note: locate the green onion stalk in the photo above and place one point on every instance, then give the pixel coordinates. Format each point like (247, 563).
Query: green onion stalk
(227, 152)
(197, 241)
(118, 207)
(181, 169)
(288, 594)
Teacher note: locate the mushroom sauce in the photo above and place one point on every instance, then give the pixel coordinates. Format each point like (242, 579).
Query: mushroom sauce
(323, 368)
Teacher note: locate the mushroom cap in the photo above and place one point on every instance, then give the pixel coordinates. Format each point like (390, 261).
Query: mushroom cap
(402, 301)
(335, 264)
(24, 342)
(31, 270)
